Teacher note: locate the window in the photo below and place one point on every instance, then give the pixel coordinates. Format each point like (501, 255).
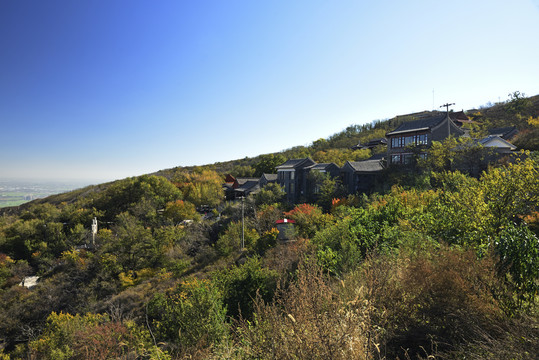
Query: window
(402, 141)
(395, 159)
(292, 175)
(408, 158)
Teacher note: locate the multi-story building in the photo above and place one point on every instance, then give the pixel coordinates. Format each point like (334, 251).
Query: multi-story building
(419, 134)
(292, 176)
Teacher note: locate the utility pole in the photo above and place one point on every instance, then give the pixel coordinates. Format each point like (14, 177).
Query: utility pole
(447, 105)
(242, 224)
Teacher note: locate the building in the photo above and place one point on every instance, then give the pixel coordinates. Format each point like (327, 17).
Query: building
(419, 134)
(292, 176)
(505, 133)
(371, 144)
(497, 143)
(361, 176)
(314, 180)
(265, 179)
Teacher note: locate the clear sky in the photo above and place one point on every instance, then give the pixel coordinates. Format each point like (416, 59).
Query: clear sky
(106, 89)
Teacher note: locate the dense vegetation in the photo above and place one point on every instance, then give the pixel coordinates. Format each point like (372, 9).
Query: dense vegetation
(435, 264)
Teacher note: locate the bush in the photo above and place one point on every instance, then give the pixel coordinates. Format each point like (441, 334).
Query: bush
(191, 314)
(311, 319)
(230, 240)
(518, 251)
(90, 336)
(309, 219)
(433, 300)
(242, 284)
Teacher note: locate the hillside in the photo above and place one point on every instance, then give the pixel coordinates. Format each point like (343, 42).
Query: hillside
(436, 264)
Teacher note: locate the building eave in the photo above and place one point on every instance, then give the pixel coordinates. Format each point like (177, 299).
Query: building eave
(407, 131)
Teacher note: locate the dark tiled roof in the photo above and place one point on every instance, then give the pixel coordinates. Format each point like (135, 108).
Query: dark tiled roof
(294, 163)
(459, 115)
(420, 124)
(248, 186)
(242, 181)
(321, 166)
(504, 133)
(380, 156)
(490, 138)
(377, 141)
(366, 165)
(371, 144)
(270, 177)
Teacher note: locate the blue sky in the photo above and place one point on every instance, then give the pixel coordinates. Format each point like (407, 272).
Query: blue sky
(102, 90)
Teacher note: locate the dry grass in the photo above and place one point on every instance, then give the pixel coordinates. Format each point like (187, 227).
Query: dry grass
(436, 304)
(311, 320)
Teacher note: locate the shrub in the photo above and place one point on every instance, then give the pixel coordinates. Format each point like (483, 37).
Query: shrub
(191, 314)
(90, 336)
(518, 251)
(242, 284)
(230, 240)
(311, 319)
(433, 300)
(309, 219)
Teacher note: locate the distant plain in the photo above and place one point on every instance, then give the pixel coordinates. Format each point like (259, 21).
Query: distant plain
(14, 192)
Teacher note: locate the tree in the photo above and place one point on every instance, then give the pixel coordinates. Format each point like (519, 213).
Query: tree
(193, 312)
(134, 245)
(517, 103)
(340, 156)
(152, 192)
(511, 190)
(230, 240)
(90, 336)
(518, 251)
(267, 164)
(461, 154)
(242, 171)
(270, 194)
(309, 219)
(242, 284)
(180, 210)
(324, 189)
(204, 187)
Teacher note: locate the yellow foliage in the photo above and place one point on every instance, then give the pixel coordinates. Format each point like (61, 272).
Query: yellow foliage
(340, 156)
(127, 279)
(74, 257)
(202, 187)
(533, 121)
(132, 278)
(6, 260)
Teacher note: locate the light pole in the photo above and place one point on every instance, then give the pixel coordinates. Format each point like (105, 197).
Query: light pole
(242, 225)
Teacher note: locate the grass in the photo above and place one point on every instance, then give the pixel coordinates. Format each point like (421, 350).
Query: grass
(18, 198)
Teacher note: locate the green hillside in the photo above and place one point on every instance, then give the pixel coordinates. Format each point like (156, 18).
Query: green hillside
(435, 264)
